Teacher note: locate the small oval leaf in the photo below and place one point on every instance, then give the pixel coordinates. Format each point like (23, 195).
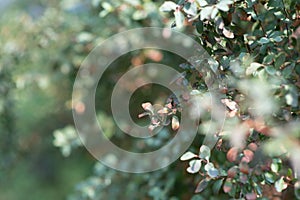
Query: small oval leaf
(194, 167)
(204, 152)
(187, 156)
(201, 185)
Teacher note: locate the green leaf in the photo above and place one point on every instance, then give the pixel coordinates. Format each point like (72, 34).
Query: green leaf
(276, 165)
(258, 189)
(179, 19)
(217, 186)
(297, 189)
(199, 27)
(227, 187)
(287, 71)
(202, 185)
(269, 177)
(297, 69)
(197, 197)
(204, 152)
(278, 39)
(270, 70)
(280, 59)
(275, 4)
(263, 49)
(156, 192)
(280, 185)
(168, 6)
(190, 8)
(269, 59)
(263, 40)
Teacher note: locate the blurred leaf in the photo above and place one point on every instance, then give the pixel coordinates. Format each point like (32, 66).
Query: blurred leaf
(206, 12)
(287, 71)
(148, 107)
(232, 154)
(197, 197)
(292, 96)
(217, 186)
(199, 26)
(227, 33)
(269, 59)
(201, 185)
(168, 6)
(175, 123)
(277, 39)
(280, 59)
(209, 166)
(270, 70)
(269, 177)
(66, 139)
(194, 166)
(224, 5)
(280, 185)
(263, 40)
(248, 155)
(253, 68)
(190, 8)
(276, 165)
(187, 156)
(297, 189)
(179, 19)
(213, 172)
(202, 3)
(204, 152)
(227, 187)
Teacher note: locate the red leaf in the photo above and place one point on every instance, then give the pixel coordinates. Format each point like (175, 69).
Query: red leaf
(232, 172)
(248, 155)
(232, 154)
(227, 186)
(252, 146)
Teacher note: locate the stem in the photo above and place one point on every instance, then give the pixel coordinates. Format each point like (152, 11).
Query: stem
(260, 24)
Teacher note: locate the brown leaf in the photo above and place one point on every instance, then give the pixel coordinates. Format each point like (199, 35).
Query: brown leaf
(232, 172)
(244, 168)
(201, 186)
(232, 154)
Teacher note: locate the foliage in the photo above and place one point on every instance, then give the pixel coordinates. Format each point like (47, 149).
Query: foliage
(256, 44)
